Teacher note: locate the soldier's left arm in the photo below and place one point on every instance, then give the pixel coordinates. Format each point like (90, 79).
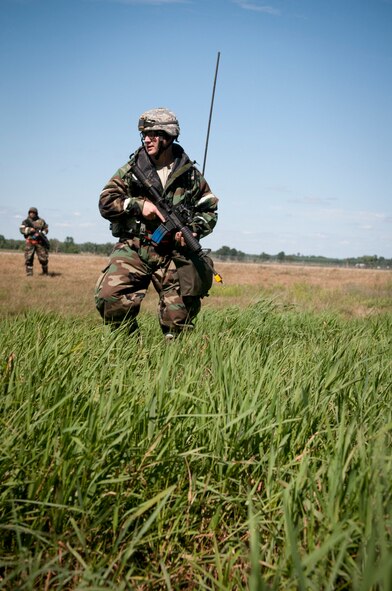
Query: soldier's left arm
(205, 211)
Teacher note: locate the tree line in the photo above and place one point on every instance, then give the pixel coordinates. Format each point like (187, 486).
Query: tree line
(225, 253)
(68, 246)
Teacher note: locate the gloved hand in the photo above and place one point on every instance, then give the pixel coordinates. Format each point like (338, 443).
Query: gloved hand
(29, 230)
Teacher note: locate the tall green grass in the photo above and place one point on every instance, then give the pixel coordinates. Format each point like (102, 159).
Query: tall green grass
(253, 453)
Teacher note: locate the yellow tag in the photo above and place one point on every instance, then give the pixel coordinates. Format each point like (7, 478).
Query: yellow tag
(218, 278)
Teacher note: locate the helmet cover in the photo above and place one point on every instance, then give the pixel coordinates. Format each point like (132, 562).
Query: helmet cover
(160, 119)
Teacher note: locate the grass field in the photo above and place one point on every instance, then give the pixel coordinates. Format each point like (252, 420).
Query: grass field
(253, 453)
(70, 289)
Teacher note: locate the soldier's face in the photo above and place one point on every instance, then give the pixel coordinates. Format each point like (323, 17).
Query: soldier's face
(32, 215)
(153, 140)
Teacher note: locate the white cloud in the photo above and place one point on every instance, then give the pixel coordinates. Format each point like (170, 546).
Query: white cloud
(364, 219)
(369, 216)
(320, 236)
(143, 2)
(309, 200)
(258, 7)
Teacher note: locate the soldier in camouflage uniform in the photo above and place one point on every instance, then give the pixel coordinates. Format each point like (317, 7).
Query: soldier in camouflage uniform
(135, 262)
(34, 229)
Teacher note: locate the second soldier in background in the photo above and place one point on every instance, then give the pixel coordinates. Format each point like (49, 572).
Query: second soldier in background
(34, 229)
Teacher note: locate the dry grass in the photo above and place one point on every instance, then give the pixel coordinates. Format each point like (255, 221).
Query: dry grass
(353, 292)
(70, 287)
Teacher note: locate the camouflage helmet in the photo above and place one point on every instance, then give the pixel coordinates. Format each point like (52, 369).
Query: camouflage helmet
(160, 119)
(33, 210)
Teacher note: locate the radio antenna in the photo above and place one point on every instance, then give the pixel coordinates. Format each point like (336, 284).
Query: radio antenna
(211, 108)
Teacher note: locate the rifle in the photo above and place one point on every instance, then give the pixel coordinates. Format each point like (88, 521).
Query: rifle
(176, 220)
(42, 236)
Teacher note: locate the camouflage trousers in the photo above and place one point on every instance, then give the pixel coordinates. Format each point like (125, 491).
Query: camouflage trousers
(124, 282)
(42, 254)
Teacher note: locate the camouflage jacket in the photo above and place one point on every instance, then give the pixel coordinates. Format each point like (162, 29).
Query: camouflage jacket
(31, 229)
(121, 200)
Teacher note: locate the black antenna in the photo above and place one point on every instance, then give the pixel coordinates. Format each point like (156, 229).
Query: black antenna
(212, 106)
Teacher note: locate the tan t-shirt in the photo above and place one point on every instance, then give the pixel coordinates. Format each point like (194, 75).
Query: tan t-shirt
(163, 173)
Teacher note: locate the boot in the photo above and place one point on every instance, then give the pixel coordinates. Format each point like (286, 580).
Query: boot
(45, 270)
(29, 271)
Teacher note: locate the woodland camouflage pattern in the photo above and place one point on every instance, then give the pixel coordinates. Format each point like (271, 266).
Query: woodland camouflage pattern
(135, 262)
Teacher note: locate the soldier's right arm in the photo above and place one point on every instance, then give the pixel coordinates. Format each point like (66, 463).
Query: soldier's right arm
(26, 229)
(116, 200)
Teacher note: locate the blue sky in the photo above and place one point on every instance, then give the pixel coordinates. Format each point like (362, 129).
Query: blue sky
(300, 149)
